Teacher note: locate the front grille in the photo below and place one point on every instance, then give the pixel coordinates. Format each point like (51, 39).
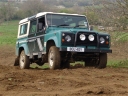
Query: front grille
(86, 42)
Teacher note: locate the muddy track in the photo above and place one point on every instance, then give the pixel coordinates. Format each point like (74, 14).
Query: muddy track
(66, 82)
(76, 81)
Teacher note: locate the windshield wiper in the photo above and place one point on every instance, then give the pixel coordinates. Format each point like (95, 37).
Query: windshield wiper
(51, 25)
(78, 26)
(63, 25)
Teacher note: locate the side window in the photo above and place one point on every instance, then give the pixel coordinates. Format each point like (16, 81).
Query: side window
(23, 29)
(33, 27)
(41, 24)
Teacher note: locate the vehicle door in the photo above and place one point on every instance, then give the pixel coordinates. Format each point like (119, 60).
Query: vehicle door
(31, 36)
(40, 34)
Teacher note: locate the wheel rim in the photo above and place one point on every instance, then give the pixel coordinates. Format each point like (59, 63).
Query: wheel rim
(22, 60)
(51, 58)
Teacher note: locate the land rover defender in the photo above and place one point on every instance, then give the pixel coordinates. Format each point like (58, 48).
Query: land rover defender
(59, 39)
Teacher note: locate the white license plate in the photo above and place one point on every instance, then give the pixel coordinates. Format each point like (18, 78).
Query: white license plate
(75, 49)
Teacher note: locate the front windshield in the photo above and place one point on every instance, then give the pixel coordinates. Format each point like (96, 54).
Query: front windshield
(60, 20)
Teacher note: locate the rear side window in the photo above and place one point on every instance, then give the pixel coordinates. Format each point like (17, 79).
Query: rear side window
(23, 29)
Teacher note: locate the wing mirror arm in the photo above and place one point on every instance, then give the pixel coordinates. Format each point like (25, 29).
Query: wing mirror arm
(91, 28)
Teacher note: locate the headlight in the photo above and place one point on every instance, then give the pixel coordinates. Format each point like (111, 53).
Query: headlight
(91, 38)
(82, 37)
(102, 40)
(68, 38)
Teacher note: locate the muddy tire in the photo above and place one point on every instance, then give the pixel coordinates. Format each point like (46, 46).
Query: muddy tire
(24, 61)
(102, 60)
(54, 58)
(16, 63)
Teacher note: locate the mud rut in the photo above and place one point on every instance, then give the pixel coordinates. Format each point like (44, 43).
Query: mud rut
(76, 81)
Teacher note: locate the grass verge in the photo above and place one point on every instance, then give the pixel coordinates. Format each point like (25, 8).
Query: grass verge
(8, 32)
(118, 63)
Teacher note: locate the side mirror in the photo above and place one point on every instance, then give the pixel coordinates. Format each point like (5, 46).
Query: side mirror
(91, 28)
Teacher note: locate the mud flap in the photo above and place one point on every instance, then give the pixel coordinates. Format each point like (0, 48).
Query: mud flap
(16, 63)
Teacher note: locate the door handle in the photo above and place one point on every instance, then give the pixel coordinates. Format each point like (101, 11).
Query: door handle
(31, 40)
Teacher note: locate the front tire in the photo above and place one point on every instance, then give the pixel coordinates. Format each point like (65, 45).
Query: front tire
(54, 58)
(102, 60)
(24, 61)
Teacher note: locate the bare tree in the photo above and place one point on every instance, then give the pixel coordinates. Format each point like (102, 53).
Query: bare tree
(6, 11)
(115, 13)
(32, 7)
(123, 5)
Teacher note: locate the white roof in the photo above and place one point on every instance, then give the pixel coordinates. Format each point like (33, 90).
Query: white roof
(44, 13)
(23, 20)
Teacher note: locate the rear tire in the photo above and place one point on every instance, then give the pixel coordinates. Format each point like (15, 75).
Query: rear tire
(54, 58)
(24, 61)
(102, 60)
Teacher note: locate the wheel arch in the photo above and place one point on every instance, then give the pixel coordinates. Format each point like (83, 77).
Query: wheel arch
(20, 50)
(49, 44)
(16, 63)
(25, 48)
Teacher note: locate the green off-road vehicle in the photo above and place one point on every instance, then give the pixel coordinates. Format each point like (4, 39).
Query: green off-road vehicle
(59, 39)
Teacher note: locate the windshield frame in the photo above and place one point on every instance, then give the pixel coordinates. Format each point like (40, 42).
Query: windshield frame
(85, 21)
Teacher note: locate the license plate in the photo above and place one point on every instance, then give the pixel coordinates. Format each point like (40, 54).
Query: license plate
(75, 49)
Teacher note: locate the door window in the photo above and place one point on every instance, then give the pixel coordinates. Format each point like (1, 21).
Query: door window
(41, 24)
(33, 27)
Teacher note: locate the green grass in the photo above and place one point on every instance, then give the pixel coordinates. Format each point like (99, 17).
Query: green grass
(8, 32)
(119, 36)
(118, 63)
(45, 66)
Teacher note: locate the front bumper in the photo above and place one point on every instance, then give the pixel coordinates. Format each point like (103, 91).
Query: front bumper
(90, 50)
